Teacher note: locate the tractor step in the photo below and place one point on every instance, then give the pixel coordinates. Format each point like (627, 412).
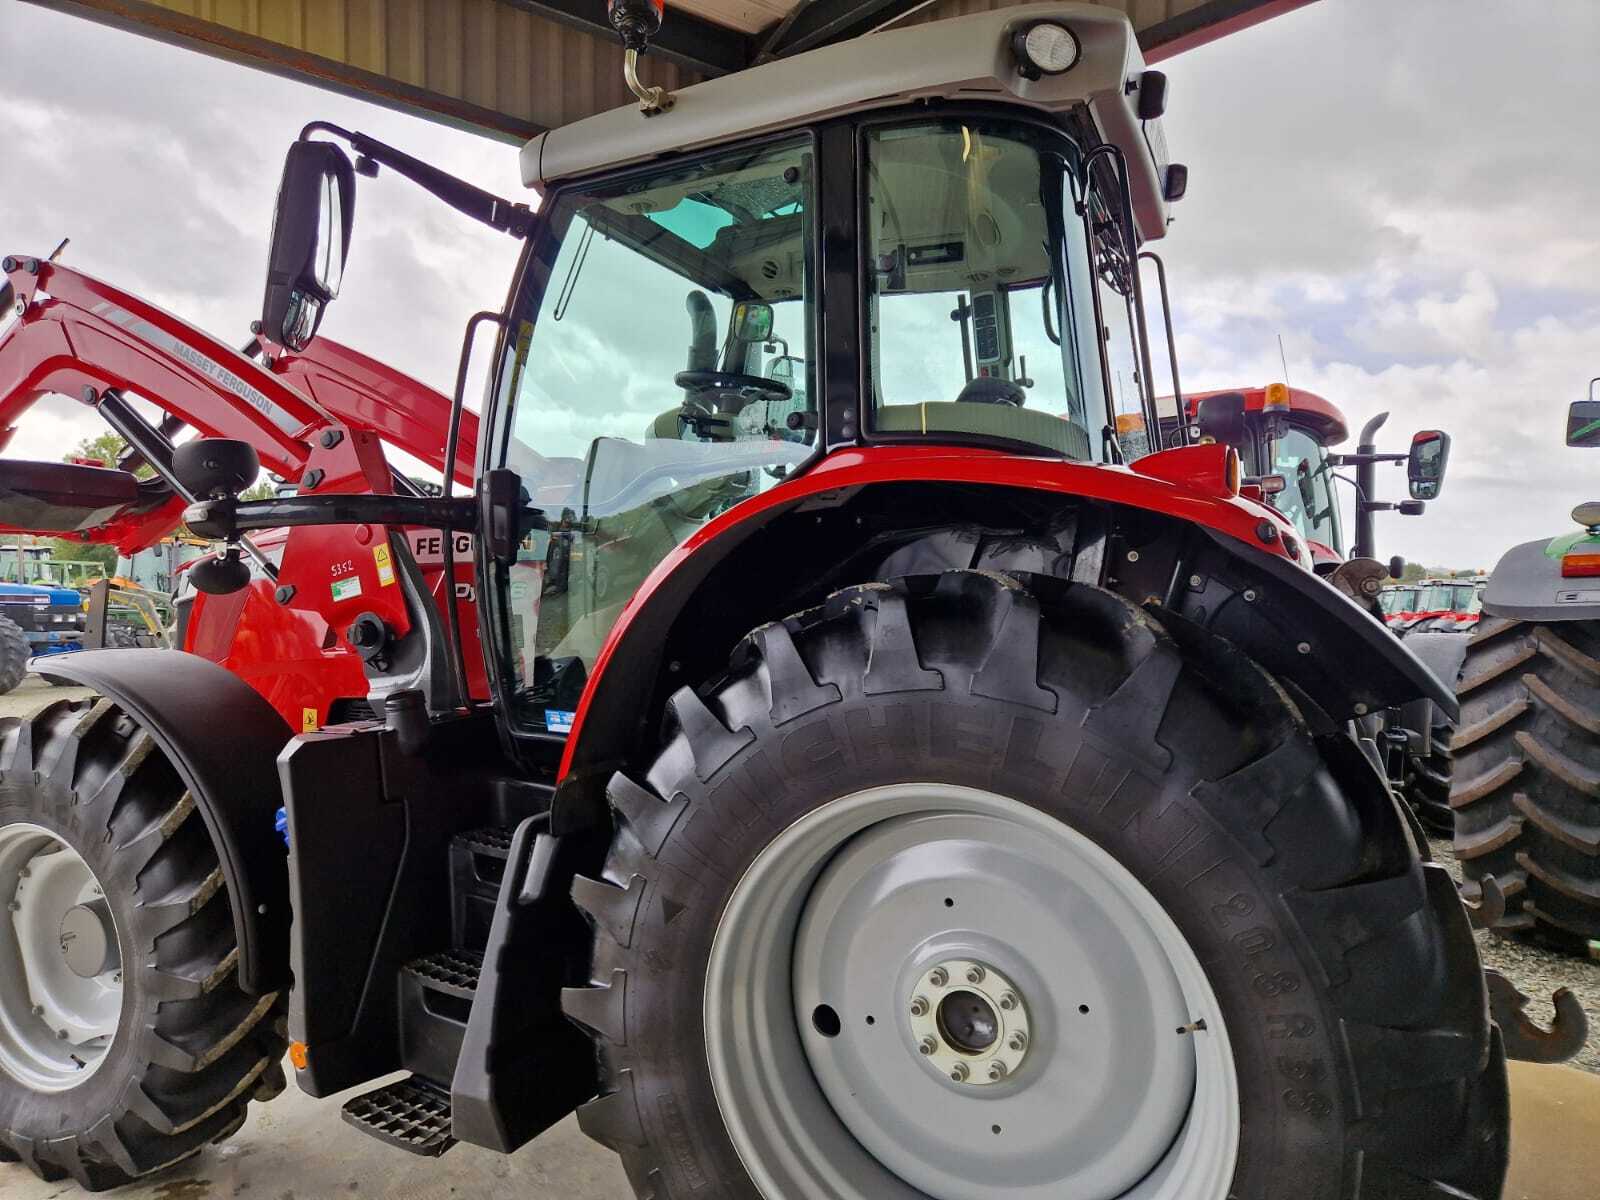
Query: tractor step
(477, 865)
(435, 1005)
(409, 1113)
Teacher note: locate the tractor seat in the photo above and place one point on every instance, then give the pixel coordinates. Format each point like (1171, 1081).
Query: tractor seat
(1001, 420)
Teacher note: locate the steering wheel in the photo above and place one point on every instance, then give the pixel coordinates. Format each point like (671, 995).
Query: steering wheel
(756, 387)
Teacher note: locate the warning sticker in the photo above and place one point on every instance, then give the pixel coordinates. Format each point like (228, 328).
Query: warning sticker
(347, 588)
(558, 721)
(308, 720)
(380, 555)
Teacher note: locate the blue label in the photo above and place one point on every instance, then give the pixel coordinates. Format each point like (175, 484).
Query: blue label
(557, 721)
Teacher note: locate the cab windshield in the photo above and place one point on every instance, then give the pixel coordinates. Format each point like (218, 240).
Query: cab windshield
(1308, 498)
(658, 371)
(1449, 597)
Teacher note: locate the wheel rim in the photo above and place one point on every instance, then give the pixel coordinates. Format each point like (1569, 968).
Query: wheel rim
(60, 962)
(845, 916)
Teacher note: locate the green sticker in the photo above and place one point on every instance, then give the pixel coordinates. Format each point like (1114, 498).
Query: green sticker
(347, 588)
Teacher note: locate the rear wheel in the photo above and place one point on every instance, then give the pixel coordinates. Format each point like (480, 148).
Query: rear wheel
(1527, 787)
(940, 893)
(126, 1043)
(1428, 776)
(14, 654)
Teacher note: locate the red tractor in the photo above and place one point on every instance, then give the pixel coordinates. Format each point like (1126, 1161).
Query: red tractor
(949, 808)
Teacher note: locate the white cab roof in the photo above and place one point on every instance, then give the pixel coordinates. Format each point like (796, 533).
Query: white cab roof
(966, 58)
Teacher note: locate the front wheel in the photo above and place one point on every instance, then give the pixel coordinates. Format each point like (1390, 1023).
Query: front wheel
(944, 892)
(126, 1042)
(14, 652)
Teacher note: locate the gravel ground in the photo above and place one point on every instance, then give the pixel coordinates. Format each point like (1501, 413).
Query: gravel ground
(1538, 973)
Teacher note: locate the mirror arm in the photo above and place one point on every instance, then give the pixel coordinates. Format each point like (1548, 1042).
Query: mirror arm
(460, 195)
(228, 518)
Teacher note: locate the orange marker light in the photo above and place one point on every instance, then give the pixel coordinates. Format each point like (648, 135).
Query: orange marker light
(298, 1055)
(1580, 566)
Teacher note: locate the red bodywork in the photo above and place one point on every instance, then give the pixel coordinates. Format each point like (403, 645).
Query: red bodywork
(77, 333)
(1184, 483)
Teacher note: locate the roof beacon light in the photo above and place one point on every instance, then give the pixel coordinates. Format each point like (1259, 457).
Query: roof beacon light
(1275, 403)
(636, 22)
(1045, 48)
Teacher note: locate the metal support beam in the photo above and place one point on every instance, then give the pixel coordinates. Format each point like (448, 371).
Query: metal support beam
(823, 22)
(687, 40)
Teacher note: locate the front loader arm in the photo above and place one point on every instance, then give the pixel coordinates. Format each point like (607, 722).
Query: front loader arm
(76, 333)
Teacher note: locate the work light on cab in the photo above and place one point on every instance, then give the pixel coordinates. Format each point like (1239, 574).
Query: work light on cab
(1045, 48)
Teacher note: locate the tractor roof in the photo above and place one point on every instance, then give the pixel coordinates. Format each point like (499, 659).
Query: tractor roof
(1322, 415)
(966, 58)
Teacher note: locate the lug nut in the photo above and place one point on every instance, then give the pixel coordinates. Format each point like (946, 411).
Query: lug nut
(38, 1010)
(919, 1007)
(927, 1045)
(938, 977)
(959, 1072)
(62, 1034)
(1019, 1041)
(975, 974)
(997, 1071)
(1008, 1000)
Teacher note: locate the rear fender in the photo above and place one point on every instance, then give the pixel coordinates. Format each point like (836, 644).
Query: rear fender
(223, 739)
(1527, 585)
(1302, 630)
(773, 554)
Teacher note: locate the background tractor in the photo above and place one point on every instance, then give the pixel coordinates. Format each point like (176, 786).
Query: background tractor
(884, 790)
(1285, 437)
(1527, 790)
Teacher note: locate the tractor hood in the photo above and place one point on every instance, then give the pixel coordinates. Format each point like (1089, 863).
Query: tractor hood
(51, 497)
(43, 597)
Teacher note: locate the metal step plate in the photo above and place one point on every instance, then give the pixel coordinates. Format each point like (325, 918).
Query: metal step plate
(453, 972)
(409, 1114)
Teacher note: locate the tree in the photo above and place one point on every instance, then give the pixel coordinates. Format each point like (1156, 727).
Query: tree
(108, 447)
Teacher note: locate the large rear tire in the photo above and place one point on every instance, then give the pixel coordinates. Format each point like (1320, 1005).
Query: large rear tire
(1426, 787)
(875, 790)
(14, 654)
(1527, 786)
(152, 1051)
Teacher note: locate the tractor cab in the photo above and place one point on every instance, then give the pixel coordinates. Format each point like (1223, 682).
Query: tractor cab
(1283, 436)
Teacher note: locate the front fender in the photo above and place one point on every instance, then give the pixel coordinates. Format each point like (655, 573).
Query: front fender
(223, 740)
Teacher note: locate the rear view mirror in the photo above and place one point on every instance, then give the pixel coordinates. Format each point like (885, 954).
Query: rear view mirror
(310, 241)
(751, 322)
(1221, 418)
(1430, 451)
(1583, 423)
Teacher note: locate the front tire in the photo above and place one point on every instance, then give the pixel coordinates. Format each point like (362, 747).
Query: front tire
(1259, 836)
(14, 654)
(182, 1049)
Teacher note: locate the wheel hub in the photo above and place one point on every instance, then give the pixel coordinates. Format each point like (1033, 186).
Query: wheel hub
(969, 1022)
(60, 962)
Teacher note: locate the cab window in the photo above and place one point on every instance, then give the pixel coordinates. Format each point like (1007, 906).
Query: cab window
(658, 372)
(1308, 498)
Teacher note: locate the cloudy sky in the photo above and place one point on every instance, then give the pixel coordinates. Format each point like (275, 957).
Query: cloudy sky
(1402, 191)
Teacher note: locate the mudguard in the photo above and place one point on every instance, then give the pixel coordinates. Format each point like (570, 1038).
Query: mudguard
(223, 739)
(1527, 584)
(1303, 630)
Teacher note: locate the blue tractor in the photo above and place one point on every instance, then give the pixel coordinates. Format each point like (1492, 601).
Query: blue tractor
(36, 620)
